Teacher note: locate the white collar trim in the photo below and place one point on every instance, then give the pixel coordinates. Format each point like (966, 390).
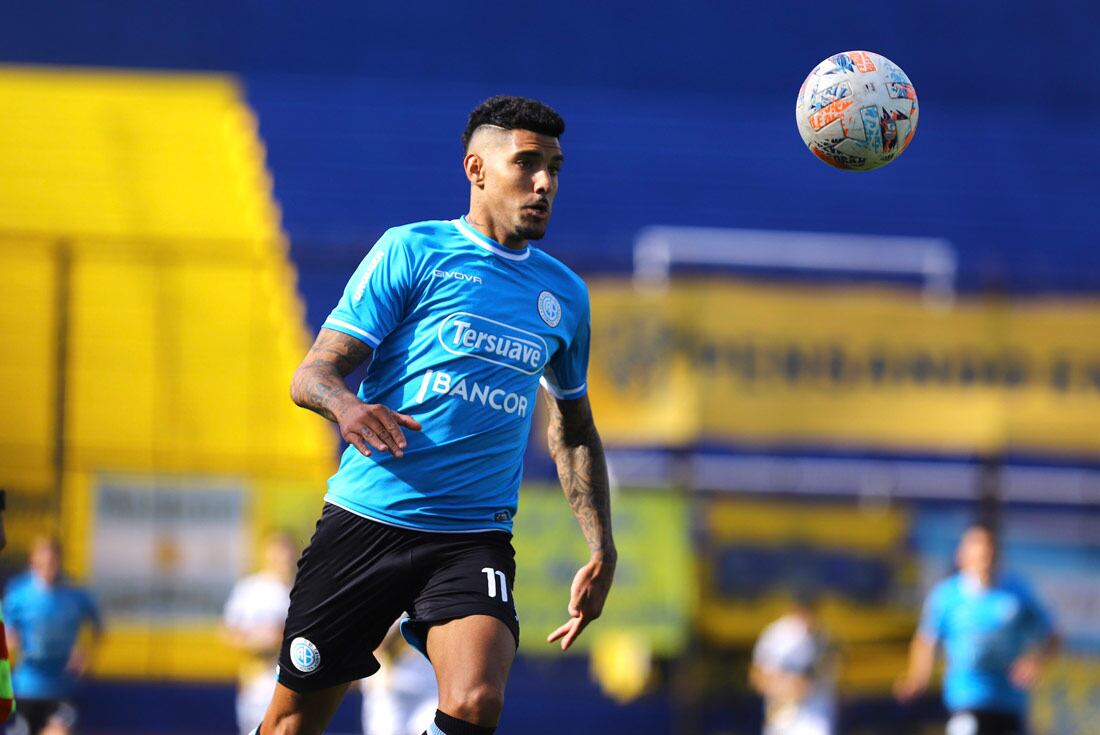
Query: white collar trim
(478, 239)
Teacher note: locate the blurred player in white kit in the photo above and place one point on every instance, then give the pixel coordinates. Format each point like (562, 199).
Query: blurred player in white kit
(794, 669)
(401, 698)
(254, 618)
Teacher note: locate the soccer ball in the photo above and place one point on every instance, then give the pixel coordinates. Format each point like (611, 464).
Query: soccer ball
(857, 111)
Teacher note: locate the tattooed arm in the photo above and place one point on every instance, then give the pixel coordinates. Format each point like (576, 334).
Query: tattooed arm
(578, 452)
(318, 384)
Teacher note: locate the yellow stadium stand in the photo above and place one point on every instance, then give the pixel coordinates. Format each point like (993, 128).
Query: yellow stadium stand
(149, 294)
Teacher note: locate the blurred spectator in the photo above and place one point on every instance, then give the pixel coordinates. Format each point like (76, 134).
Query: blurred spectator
(46, 615)
(401, 698)
(996, 638)
(254, 618)
(794, 669)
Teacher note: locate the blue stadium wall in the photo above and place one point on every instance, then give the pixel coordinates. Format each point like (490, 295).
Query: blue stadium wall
(678, 114)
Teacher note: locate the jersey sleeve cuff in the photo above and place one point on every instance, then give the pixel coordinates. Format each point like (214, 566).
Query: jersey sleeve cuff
(563, 394)
(352, 330)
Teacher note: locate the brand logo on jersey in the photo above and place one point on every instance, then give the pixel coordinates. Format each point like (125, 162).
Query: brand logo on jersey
(456, 276)
(304, 655)
(501, 516)
(492, 341)
(549, 308)
(444, 384)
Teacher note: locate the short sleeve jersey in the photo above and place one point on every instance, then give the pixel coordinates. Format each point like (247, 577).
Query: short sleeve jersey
(47, 621)
(463, 330)
(982, 632)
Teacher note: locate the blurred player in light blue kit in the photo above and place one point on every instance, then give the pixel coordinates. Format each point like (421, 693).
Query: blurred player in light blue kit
(45, 616)
(995, 635)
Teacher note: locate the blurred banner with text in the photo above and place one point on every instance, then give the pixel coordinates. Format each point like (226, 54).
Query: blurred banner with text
(854, 366)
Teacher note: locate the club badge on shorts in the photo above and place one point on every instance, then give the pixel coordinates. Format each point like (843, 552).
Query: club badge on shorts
(304, 655)
(549, 308)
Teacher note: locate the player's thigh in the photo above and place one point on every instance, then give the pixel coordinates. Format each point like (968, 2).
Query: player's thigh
(353, 581)
(464, 619)
(472, 657)
(42, 716)
(463, 575)
(302, 713)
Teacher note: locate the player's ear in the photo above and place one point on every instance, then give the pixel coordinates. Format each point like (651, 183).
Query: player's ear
(475, 169)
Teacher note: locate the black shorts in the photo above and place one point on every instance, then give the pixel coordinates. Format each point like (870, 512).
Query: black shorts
(32, 715)
(985, 722)
(357, 576)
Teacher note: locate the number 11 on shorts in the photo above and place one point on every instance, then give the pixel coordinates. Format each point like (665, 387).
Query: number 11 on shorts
(491, 577)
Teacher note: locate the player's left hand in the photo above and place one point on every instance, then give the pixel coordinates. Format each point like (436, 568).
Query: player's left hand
(77, 663)
(1025, 671)
(586, 599)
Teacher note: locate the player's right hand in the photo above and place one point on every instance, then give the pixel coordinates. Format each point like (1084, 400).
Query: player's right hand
(908, 688)
(372, 425)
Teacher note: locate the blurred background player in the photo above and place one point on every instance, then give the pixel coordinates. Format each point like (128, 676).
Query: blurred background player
(254, 617)
(46, 617)
(794, 669)
(995, 635)
(401, 698)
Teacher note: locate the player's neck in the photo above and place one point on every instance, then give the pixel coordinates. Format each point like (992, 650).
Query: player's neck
(483, 222)
(979, 580)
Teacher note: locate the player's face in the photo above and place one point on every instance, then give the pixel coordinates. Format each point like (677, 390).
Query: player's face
(281, 556)
(977, 552)
(521, 181)
(45, 561)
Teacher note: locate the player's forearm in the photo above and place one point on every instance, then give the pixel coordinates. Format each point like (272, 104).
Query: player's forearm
(1047, 649)
(582, 470)
(318, 383)
(318, 386)
(15, 648)
(583, 474)
(922, 659)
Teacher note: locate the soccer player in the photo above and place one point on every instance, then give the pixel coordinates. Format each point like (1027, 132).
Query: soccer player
(253, 620)
(995, 635)
(461, 320)
(400, 698)
(46, 615)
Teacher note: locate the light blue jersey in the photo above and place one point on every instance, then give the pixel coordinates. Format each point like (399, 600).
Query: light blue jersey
(462, 329)
(47, 620)
(983, 631)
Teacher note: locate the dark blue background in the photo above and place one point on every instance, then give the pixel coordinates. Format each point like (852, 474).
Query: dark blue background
(678, 113)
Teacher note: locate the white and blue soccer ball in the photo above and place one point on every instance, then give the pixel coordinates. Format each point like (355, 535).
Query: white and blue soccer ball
(857, 111)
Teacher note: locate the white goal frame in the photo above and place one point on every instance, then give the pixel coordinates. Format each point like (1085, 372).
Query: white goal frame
(658, 248)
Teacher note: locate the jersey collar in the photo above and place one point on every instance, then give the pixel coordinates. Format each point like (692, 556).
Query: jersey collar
(492, 246)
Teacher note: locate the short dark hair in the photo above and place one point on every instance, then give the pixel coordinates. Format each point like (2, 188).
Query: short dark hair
(514, 113)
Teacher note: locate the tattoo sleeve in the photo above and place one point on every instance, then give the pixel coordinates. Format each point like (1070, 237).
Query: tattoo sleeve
(578, 453)
(318, 383)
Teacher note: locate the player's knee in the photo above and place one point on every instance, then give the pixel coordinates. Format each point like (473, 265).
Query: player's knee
(288, 725)
(480, 704)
